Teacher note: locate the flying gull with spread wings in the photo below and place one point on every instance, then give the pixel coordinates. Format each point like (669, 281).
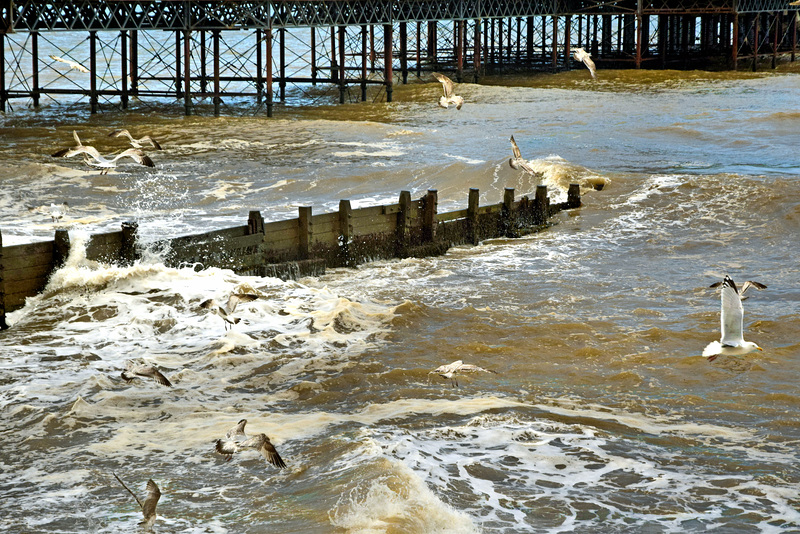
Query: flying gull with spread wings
(136, 143)
(102, 162)
(583, 56)
(236, 440)
(517, 162)
(732, 341)
(457, 367)
(226, 310)
(149, 505)
(448, 97)
(72, 64)
(135, 370)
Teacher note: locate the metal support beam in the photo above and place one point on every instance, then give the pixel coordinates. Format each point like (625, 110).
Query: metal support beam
(187, 78)
(93, 72)
(387, 60)
(35, 68)
(123, 52)
(268, 67)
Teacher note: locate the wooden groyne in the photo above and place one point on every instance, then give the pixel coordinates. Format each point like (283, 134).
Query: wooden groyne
(297, 247)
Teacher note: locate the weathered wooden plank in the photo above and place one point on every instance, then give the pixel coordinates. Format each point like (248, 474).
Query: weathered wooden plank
(13, 251)
(451, 216)
(281, 226)
(23, 262)
(29, 272)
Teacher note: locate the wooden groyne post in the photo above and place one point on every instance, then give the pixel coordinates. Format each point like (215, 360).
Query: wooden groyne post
(304, 246)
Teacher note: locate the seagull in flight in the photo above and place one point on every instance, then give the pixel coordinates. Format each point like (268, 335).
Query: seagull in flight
(517, 162)
(72, 64)
(99, 161)
(149, 505)
(225, 311)
(447, 88)
(136, 143)
(233, 438)
(55, 211)
(236, 440)
(135, 370)
(731, 320)
(582, 55)
(450, 370)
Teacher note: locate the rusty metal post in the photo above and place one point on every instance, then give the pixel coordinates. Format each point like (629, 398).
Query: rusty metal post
(35, 68)
(342, 88)
(313, 55)
(178, 73)
(638, 34)
(404, 52)
(419, 46)
(187, 77)
(93, 72)
(477, 52)
(459, 50)
(387, 60)
(282, 65)
(270, 95)
(776, 27)
(364, 44)
(134, 62)
(555, 42)
(567, 39)
(203, 59)
(123, 49)
(756, 37)
(217, 99)
(259, 66)
(3, 93)
(735, 42)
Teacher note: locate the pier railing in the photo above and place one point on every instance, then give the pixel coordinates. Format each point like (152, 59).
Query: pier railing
(297, 247)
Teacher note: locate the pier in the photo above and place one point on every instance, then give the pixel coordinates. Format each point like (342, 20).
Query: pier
(215, 51)
(302, 246)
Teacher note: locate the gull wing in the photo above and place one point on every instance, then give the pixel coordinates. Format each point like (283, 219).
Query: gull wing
(469, 368)
(153, 142)
(226, 447)
(137, 155)
(731, 314)
(515, 149)
(236, 298)
(237, 432)
(750, 283)
(268, 451)
(150, 502)
(81, 149)
(120, 133)
(447, 84)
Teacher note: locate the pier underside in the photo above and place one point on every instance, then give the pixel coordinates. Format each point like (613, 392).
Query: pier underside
(300, 51)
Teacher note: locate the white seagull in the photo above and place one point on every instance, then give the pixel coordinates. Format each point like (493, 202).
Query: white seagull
(731, 320)
(55, 211)
(72, 64)
(228, 447)
(450, 370)
(582, 55)
(447, 88)
(233, 437)
(135, 370)
(517, 162)
(99, 161)
(225, 311)
(149, 505)
(136, 143)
